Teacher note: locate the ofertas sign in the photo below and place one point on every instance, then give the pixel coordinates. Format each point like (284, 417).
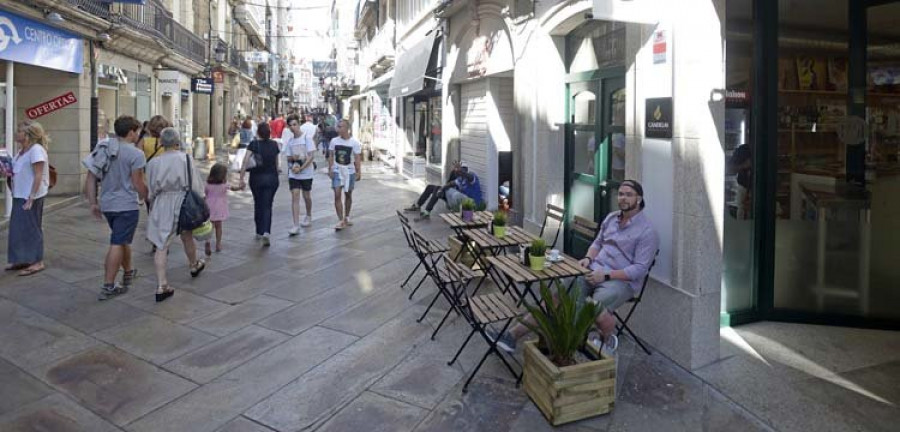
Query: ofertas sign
(25, 41)
(51, 105)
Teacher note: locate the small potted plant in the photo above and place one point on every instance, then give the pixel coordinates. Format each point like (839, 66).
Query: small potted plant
(565, 385)
(482, 206)
(499, 224)
(537, 251)
(468, 209)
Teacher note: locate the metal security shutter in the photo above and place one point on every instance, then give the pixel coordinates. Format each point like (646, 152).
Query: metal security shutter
(473, 137)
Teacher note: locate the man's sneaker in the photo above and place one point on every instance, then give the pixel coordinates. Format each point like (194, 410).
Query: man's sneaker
(306, 221)
(128, 279)
(347, 221)
(424, 214)
(265, 240)
(505, 341)
(293, 231)
(609, 347)
(412, 208)
(110, 290)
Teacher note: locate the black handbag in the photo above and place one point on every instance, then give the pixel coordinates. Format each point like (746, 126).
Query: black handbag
(194, 211)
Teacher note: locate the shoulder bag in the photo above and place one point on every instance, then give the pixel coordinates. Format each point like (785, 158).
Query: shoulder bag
(256, 160)
(194, 211)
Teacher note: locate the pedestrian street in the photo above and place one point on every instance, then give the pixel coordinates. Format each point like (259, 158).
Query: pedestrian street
(311, 333)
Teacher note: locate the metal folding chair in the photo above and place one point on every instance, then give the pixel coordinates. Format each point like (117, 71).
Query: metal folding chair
(480, 311)
(559, 215)
(431, 262)
(432, 247)
(635, 301)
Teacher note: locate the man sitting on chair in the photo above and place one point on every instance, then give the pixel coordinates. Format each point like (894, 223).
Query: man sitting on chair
(619, 258)
(462, 184)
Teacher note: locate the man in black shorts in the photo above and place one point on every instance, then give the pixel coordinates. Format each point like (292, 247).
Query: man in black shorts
(300, 150)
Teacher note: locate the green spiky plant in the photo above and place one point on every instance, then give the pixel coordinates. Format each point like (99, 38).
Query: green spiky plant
(499, 218)
(468, 204)
(562, 324)
(482, 206)
(538, 247)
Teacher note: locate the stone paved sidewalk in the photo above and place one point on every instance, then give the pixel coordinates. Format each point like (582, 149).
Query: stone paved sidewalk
(313, 333)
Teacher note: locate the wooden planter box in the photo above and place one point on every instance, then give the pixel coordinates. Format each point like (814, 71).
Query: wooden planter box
(569, 393)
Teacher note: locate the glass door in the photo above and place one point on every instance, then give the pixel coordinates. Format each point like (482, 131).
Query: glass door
(595, 153)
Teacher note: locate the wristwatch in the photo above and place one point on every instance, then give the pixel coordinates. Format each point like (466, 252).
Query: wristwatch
(606, 277)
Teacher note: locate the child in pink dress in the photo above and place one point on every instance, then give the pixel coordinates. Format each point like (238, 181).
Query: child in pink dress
(217, 199)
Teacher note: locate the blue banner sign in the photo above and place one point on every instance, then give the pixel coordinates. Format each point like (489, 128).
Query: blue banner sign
(25, 41)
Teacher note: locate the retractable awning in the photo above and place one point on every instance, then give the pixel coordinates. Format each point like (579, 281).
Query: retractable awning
(409, 72)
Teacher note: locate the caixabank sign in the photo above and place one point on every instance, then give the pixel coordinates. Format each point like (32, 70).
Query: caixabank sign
(658, 118)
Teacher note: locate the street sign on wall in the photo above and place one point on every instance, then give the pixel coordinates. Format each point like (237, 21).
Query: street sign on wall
(25, 41)
(658, 118)
(256, 57)
(326, 68)
(202, 85)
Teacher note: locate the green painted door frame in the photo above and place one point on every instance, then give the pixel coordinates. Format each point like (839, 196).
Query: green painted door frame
(601, 84)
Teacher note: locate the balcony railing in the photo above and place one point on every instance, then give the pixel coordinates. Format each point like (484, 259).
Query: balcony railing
(151, 19)
(237, 60)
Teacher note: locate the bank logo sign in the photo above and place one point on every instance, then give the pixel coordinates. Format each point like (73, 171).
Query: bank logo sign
(7, 26)
(658, 118)
(23, 40)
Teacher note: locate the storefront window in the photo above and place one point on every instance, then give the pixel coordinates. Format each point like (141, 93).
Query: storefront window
(434, 153)
(836, 239)
(738, 292)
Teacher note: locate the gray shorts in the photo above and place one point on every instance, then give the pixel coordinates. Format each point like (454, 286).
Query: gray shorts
(611, 294)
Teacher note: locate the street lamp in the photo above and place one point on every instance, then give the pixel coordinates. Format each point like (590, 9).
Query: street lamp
(220, 54)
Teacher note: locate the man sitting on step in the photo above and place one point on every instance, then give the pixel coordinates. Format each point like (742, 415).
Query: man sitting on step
(462, 184)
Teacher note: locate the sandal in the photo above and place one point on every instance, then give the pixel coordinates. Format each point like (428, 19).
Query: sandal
(166, 293)
(197, 268)
(341, 225)
(31, 270)
(14, 267)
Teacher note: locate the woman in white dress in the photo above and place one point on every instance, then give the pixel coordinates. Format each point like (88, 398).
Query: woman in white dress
(167, 180)
(30, 185)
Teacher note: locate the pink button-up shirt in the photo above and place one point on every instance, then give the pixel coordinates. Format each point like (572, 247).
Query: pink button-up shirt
(630, 247)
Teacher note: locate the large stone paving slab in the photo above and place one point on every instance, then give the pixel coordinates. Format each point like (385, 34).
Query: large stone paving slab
(209, 362)
(55, 413)
(18, 388)
(236, 293)
(114, 384)
(241, 424)
(375, 413)
(239, 316)
(211, 406)
(423, 379)
(28, 339)
(325, 389)
(73, 306)
(155, 339)
(490, 405)
(296, 319)
(181, 308)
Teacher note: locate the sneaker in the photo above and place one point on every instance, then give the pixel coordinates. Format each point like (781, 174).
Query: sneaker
(609, 347)
(505, 341)
(128, 279)
(306, 221)
(340, 225)
(110, 290)
(412, 208)
(294, 231)
(265, 240)
(258, 237)
(424, 214)
(347, 221)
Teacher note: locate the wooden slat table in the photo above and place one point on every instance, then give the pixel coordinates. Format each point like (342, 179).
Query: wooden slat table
(518, 274)
(480, 219)
(482, 243)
